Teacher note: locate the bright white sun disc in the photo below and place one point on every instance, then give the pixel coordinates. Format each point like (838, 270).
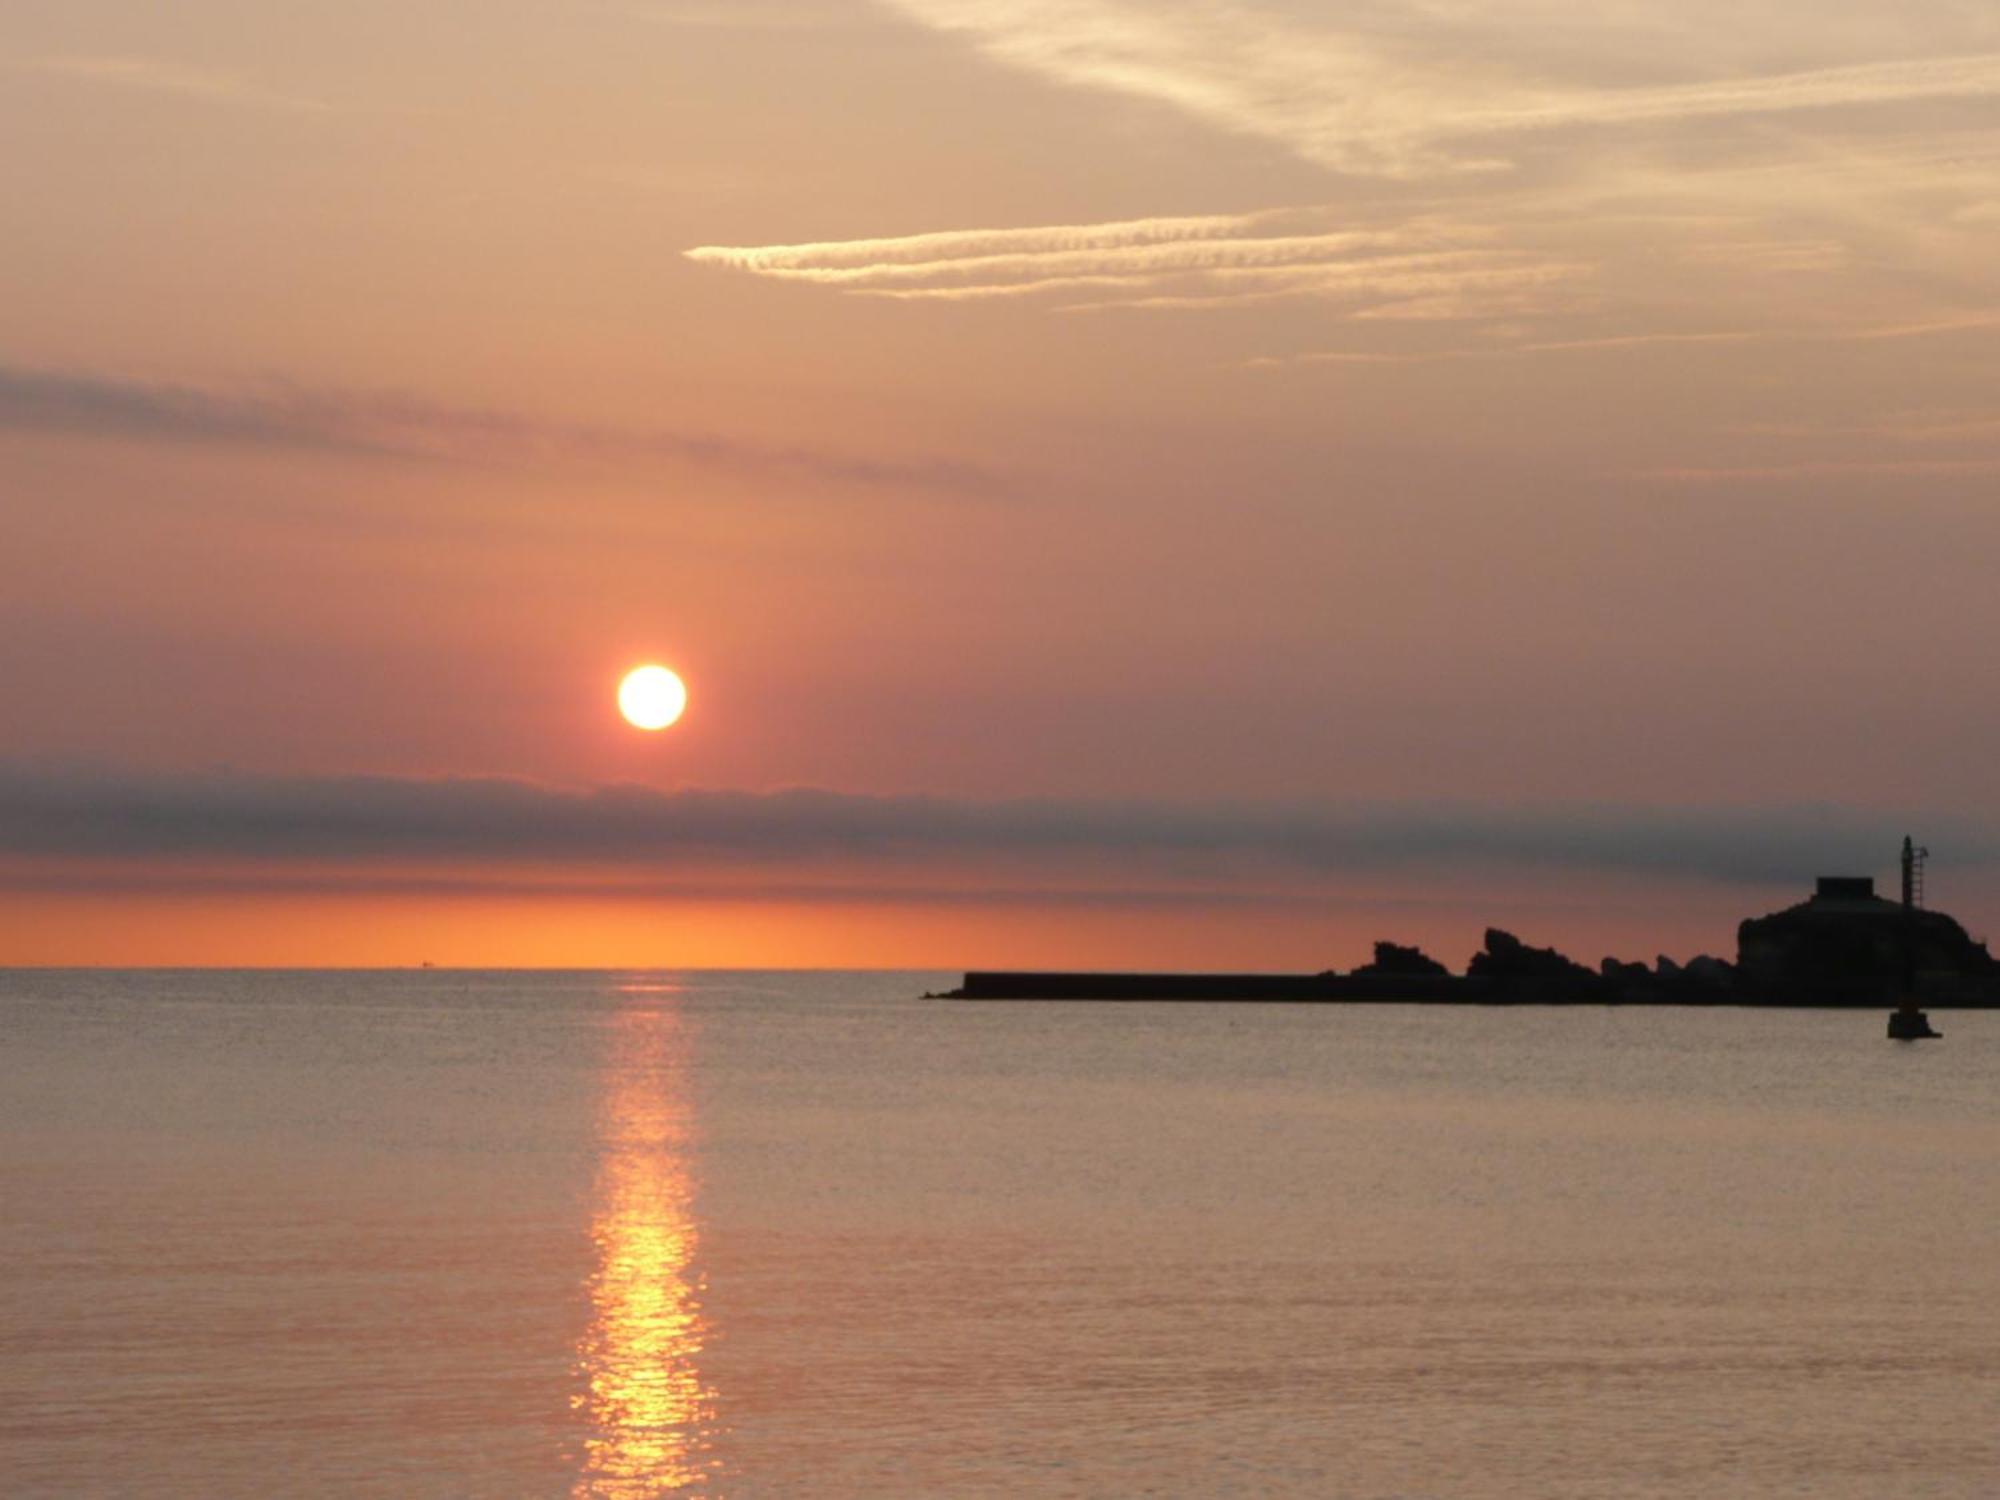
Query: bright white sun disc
(651, 697)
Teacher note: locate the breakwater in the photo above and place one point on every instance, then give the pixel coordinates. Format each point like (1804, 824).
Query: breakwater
(1844, 947)
(1035, 985)
(1362, 989)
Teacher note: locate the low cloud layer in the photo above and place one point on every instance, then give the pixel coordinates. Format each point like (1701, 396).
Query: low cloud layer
(223, 815)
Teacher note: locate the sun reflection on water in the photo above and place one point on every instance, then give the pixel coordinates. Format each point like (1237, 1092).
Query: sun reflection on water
(650, 1414)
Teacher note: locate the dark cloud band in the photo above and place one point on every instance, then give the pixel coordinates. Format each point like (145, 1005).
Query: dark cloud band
(234, 815)
(392, 426)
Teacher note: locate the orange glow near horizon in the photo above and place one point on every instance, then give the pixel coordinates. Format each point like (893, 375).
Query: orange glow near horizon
(649, 1409)
(365, 929)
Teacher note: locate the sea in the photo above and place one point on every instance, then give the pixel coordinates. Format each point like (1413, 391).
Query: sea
(809, 1234)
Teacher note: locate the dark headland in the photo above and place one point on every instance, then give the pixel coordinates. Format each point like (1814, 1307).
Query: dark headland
(1843, 946)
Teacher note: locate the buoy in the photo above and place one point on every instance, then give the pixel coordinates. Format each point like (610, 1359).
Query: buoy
(1908, 1024)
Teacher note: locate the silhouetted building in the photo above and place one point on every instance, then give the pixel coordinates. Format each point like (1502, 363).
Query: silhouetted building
(1849, 945)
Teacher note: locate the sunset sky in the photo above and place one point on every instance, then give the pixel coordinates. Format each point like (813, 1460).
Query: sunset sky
(1127, 482)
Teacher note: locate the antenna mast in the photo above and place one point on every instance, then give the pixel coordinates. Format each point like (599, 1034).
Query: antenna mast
(1913, 874)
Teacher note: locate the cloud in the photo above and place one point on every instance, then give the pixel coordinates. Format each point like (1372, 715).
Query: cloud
(1932, 328)
(1915, 80)
(1410, 88)
(1173, 262)
(1607, 343)
(55, 400)
(1566, 176)
(1792, 176)
(963, 244)
(316, 821)
(157, 76)
(733, 15)
(1832, 468)
(1516, 346)
(1920, 426)
(386, 425)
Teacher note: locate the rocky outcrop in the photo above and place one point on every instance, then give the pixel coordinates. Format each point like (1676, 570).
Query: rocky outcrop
(1506, 957)
(1700, 981)
(1392, 960)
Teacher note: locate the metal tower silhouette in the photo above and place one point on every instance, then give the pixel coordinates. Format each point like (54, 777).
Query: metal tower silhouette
(1913, 873)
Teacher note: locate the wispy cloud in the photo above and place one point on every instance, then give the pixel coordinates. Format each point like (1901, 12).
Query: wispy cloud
(1515, 346)
(1512, 349)
(1955, 425)
(958, 246)
(310, 821)
(1403, 88)
(1622, 216)
(1166, 262)
(733, 15)
(160, 76)
(1831, 468)
(1978, 322)
(1915, 80)
(396, 426)
(1937, 445)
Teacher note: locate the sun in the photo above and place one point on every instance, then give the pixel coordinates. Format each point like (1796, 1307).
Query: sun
(651, 697)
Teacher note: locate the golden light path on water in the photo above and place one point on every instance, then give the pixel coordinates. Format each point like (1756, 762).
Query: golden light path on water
(649, 1413)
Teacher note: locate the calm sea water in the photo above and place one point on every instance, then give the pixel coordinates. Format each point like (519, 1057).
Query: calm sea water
(776, 1234)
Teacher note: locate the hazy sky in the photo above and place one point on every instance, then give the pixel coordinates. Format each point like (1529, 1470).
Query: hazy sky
(1188, 481)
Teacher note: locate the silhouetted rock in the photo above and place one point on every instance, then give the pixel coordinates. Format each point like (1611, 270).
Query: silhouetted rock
(1507, 957)
(1701, 981)
(1706, 969)
(1392, 959)
(1514, 971)
(1627, 983)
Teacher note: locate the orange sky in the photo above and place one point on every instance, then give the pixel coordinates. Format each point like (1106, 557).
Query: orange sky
(1301, 930)
(1496, 410)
